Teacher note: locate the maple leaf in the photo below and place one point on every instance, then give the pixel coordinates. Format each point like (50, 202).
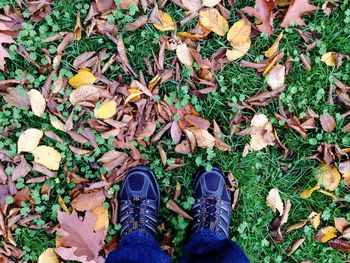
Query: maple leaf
(77, 239)
(295, 10)
(4, 39)
(262, 12)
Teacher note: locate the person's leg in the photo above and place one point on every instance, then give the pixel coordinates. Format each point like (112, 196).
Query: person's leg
(139, 201)
(209, 241)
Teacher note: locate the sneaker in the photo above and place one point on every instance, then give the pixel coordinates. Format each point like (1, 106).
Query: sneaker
(213, 202)
(139, 201)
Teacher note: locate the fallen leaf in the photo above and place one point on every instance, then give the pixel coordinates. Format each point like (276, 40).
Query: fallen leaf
(173, 206)
(275, 78)
(56, 123)
(306, 61)
(192, 5)
(239, 33)
(340, 245)
(262, 132)
(106, 110)
(327, 122)
(62, 204)
(273, 50)
(333, 196)
(315, 219)
(139, 22)
(274, 201)
(203, 138)
(211, 3)
(83, 77)
(295, 246)
(37, 102)
(4, 39)
(329, 59)
(86, 93)
(211, 19)
(344, 168)
(21, 170)
(47, 156)
(17, 97)
(326, 233)
(102, 221)
(167, 23)
(162, 153)
(308, 192)
(88, 201)
(77, 238)
(341, 223)
(184, 55)
(135, 95)
(327, 176)
(48, 256)
(238, 51)
(295, 11)
(263, 14)
(29, 140)
(295, 226)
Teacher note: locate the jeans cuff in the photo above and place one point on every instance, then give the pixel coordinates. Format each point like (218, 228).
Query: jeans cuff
(139, 236)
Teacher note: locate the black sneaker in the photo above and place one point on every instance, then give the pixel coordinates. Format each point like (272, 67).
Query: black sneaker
(213, 205)
(139, 201)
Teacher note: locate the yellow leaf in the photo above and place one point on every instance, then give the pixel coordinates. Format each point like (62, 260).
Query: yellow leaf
(56, 123)
(273, 50)
(184, 55)
(326, 233)
(329, 59)
(334, 197)
(308, 192)
(29, 140)
(239, 33)
(238, 51)
(315, 219)
(154, 82)
(167, 22)
(83, 77)
(48, 256)
(211, 19)
(270, 65)
(101, 215)
(328, 176)
(37, 102)
(106, 110)
(63, 204)
(135, 95)
(274, 201)
(47, 156)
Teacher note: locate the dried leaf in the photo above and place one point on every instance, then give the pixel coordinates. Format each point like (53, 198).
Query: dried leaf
(329, 59)
(295, 246)
(4, 39)
(47, 156)
(295, 11)
(139, 22)
(82, 78)
(261, 132)
(29, 140)
(273, 50)
(21, 170)
(326, 233)
(106, 110)
(171, 205)
(340, 245)
(341, 223)
(239, 33)
(88, 201)
(274, 201)
(327, 122)
(77, 238)
(275, 78)
(86, 93)
(327, 176)
(56, 123)
(211, 3)
(162, 153)
(315, 219)
(238, 51)
(211, 19)
(203, 138)
(167, 23)
(295, 226)
(308, 192)
(102, 221)
(62, 204)
(37, 102)
(48, 256)
(184, 55)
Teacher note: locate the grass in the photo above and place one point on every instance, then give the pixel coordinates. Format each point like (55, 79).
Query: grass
(257, 173)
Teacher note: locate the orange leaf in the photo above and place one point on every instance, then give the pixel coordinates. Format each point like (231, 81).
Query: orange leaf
(212, 20)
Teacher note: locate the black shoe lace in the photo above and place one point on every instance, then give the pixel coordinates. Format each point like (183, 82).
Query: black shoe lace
(136, 214)
(210, 212)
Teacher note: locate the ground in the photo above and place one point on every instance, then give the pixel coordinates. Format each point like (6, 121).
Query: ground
(256, 173)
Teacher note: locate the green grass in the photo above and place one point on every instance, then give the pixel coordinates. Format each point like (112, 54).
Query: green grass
(257, 173)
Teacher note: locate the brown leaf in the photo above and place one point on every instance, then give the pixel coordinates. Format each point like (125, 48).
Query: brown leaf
(21, 170)
(171, 205)
(104, 5)
(197, 121)
(203, 138)
(175, 132)
(344, 168)
(327, 122)
(306, 61)
(263, 13)
(275, 78)
(184, 55)
(88, 201)
(341, 223)
(327, 176)
(77, 238)
(139, 22)
(162, 153)
(274, 201)
(295, 226)
(295, 11)
(4, 39)
(340, 245)
(16, 97)
(295, 246)
(184, 147)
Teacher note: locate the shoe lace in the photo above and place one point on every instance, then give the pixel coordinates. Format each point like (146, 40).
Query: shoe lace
(136, 214)
(210, 212)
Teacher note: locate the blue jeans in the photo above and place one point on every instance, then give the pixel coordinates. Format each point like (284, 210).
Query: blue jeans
(205, 246)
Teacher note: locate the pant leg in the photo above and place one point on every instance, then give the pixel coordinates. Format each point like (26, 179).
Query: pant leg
(207, 246)
(138, 247)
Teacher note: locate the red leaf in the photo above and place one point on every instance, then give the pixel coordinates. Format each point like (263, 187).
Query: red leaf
(197, 122)
(327, 122)
(295, 10)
